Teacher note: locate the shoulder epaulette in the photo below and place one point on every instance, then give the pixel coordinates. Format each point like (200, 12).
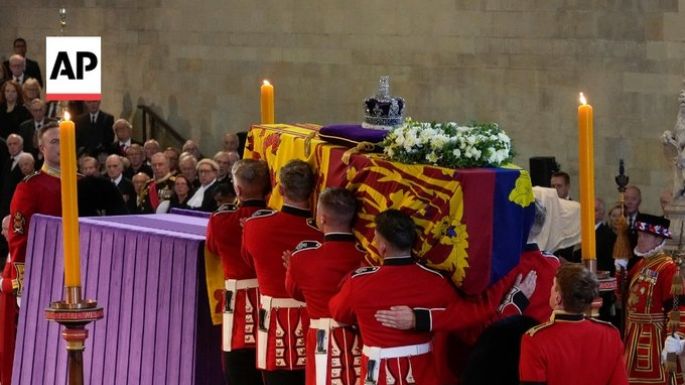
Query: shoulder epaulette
(226, 208)
(549, 255)
(262, 214)
(431, 270)
(531, 332)
(27, 177)
(605, 323)
(365, 270)
(307, 245)
(311, 222)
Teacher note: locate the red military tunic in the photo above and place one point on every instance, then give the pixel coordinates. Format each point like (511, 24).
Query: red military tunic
(37, 194)
(570, 350)
(156, 191)
(649, 299)
(471, 316)
(283, 321)
(392, 356)
(224, 238)
(314, 275)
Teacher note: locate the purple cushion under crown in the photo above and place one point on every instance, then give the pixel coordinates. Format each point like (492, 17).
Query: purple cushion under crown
(349, 135)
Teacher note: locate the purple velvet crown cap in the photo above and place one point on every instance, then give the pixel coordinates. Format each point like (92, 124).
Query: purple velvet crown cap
(350, 135)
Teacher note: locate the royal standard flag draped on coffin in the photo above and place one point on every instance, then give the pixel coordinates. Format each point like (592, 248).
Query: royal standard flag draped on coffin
(473, 222)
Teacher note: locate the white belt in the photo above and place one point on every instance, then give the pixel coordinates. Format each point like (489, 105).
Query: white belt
(267, 303)
(376, 354)
(325, 323)
(243, 283)
(399, 351)
(232, 286)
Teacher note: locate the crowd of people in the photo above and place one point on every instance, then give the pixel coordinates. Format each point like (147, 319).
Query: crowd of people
(302, 302)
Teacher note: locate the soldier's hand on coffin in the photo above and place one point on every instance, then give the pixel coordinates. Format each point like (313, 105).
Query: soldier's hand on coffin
(398, 317)
(527, 285)
(286, 258)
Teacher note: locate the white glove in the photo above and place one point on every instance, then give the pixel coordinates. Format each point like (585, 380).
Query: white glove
(621, 264)
(673, 344)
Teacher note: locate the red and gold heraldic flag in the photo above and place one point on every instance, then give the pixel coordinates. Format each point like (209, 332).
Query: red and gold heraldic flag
(473, 222)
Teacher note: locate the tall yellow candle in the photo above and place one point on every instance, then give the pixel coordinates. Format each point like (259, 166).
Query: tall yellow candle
(587, 179)
(67, 158)
(267, 103)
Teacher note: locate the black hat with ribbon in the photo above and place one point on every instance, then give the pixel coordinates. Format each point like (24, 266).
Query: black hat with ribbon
(653, 225)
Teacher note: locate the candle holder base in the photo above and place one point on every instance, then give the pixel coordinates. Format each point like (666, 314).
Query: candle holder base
(74, 316)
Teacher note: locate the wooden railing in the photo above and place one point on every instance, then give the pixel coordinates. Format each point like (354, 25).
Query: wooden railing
(156, 127)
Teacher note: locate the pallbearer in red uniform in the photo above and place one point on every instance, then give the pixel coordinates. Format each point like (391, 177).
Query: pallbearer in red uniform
(314, 274)
(283, 321)
(648, 304)
(37, 194)
(570, 349)
(469, 317)
(224, 238)
(392, 356)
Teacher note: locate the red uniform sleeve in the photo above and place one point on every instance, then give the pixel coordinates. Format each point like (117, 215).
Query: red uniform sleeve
(532, 367)
(291, 279)
(341, 304)
(21, 210)
(472, 315)
(461, 314)
(211, 244)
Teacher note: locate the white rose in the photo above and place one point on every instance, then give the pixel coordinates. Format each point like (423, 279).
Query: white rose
(456, 152)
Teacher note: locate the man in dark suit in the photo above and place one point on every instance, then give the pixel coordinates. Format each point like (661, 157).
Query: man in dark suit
(28, 129)
(15, 148)
(94, 131)
(122, 137)
(30, 67)
(115, 168)
(10, 176)
(632, 198)
(136, 156)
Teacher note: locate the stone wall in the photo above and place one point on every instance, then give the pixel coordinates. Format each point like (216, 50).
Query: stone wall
(517, 62)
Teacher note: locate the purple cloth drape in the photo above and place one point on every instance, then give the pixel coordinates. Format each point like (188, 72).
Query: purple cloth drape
(192, 213)
(147, 271)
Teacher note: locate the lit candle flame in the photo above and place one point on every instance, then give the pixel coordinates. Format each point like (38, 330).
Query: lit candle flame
(583, 101)
(66, 115)
(266, 82)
